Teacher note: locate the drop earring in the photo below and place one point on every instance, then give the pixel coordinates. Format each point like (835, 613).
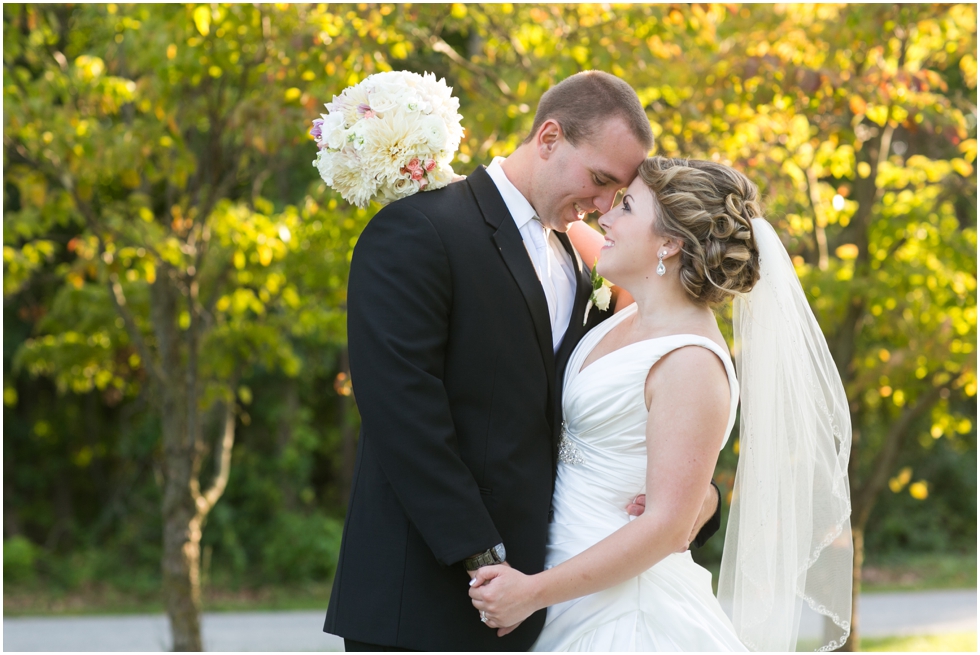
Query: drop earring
(661, 269)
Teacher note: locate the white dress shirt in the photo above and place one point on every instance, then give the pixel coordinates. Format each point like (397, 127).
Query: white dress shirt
(551, 261)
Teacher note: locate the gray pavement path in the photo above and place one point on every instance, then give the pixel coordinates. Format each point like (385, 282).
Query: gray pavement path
(906, 613)
(887, 614)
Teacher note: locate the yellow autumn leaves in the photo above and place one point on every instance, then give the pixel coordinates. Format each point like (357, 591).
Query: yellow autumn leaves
(918, 490)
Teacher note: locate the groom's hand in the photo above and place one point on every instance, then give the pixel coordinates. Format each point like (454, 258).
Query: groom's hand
(708, 508)
(638, 506)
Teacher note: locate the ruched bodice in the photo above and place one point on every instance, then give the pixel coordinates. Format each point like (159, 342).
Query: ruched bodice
(602, 467)
(603, 452)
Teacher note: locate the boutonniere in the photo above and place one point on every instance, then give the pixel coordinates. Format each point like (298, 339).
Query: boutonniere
(601, 293)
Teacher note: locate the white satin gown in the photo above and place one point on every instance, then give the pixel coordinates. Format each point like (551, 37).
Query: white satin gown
(602, 467)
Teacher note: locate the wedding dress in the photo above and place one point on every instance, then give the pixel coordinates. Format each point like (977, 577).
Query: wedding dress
(602, 467)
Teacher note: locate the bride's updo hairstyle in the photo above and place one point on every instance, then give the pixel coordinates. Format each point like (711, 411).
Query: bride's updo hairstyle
(709, 208)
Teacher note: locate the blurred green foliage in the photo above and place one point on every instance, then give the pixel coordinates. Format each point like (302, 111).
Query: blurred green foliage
(945, 521)
(858, 122)
(18, 559)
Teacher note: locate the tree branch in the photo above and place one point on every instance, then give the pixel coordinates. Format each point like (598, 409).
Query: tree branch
(867, 193)
(222, 464)
(215, 193)
(506, 35)
(207, 309)
(118, 298)
(439, 45)
(68, 185)
(142, 243)
(119, 302)
(25, 158)
(819, 221)
(864, 499)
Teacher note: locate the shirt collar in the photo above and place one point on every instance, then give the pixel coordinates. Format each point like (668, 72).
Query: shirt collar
(518, 206)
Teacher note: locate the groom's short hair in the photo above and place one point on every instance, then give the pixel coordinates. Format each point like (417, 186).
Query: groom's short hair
(584, 101)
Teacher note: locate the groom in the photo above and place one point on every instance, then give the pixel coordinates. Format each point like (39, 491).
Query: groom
(464, 305)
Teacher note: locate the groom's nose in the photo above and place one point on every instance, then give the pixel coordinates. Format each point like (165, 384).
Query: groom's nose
(604, 202)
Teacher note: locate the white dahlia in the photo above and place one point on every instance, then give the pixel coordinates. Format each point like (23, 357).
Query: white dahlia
(390, 136)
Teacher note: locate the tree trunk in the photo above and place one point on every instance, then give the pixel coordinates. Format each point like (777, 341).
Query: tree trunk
(182, 517)
(181, 530)
(181, 577)
(863, 498)
(853, 643)
(185, 506)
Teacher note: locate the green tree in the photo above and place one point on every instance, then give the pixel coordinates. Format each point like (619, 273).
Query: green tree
(155, 129)
(859, 122)
(159, 191)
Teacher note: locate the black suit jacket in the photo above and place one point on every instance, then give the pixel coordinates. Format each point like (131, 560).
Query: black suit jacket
(458, 387)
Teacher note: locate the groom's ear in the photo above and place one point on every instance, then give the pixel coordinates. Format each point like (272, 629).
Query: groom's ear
(548, 137)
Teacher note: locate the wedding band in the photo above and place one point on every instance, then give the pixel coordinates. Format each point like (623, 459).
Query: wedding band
(483, 616)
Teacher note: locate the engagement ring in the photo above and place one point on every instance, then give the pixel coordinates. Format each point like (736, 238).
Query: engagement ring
(483, 616)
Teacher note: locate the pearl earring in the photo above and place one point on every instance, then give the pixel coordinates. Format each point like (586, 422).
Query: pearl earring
(661, 269)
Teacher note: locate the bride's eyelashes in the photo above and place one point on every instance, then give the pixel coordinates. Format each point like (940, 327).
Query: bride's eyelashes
(626, 204)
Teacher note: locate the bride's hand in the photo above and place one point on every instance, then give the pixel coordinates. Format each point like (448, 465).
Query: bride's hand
(505, 595)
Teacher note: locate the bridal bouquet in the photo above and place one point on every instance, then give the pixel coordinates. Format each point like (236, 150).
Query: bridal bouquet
(390, 136)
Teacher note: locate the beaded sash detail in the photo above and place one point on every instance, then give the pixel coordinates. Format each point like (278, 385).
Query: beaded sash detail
(567, 452)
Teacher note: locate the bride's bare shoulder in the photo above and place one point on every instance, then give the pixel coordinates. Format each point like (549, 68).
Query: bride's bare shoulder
(691, 374)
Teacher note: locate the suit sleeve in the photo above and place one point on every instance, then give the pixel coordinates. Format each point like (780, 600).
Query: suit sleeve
(712, 526)
(399, 301)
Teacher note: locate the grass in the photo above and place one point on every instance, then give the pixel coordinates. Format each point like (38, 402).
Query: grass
(310, 596)
(906, 573)
(101, 598)
(954, 642)
(919, 572)
(91, 598)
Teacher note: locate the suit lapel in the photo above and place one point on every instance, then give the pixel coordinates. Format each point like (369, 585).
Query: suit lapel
(573, 334)
(511, 246)
(583, 290)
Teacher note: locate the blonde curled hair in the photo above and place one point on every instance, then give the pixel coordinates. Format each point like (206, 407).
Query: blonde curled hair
(709, 208)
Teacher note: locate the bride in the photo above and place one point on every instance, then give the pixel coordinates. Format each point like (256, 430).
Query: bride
(649, 400)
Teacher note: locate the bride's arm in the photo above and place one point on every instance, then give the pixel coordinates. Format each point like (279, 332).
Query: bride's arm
(685, 426)
(588, 242)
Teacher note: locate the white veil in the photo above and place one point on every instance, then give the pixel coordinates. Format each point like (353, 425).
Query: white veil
(789, 531)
